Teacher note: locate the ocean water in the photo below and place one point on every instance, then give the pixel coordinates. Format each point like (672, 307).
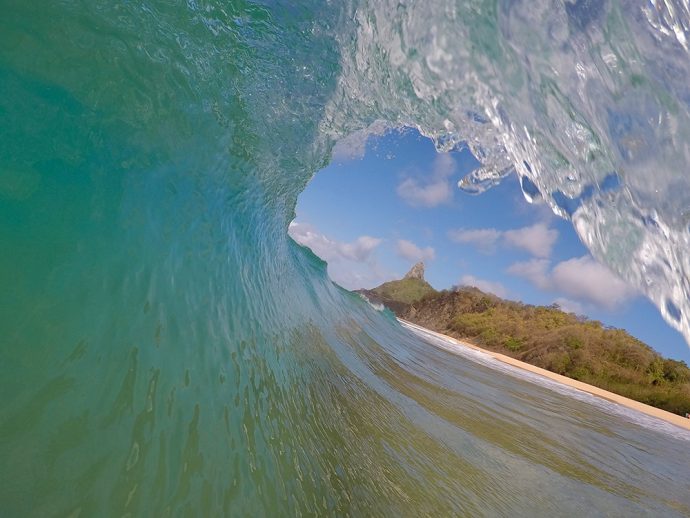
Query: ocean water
(167, 350)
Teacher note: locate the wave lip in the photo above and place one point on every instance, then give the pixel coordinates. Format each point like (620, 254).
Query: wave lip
(167, 349)
(586, 102)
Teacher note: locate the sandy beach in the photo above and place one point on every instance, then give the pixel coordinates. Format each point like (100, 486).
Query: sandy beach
(674, 419)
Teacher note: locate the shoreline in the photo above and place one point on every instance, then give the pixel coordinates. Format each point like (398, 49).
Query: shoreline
(669, 417)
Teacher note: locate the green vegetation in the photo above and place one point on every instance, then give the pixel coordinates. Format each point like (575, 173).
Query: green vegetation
(547, 337)
(407, 291)
(398, 296)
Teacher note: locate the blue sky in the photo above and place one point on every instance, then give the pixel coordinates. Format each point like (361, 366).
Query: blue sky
(390, 200)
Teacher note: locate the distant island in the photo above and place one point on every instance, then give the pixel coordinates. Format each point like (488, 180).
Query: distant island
(544, 336)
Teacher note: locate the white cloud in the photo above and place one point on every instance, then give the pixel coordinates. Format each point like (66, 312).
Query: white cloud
(434, 192)
(570, 306)
(585, 279)
(408, 250)
(332, 250)
(538, 239)
(353, 276)
(353, 265)
(534, 270)
(429, 195)
(488, 286)
(484, 239)
(580, 278)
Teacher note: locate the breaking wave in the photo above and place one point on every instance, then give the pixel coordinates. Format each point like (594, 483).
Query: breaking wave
(167, 349)
(587, 102)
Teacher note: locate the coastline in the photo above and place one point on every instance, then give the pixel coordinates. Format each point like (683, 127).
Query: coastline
(669, 417)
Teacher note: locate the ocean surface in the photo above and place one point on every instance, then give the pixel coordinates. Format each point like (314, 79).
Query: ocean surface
(167, 350)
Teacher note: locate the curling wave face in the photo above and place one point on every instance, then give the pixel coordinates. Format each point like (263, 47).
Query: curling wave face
(587, 102)
(167, 349)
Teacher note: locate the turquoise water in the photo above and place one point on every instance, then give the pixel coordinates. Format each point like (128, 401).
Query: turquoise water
(168, 350)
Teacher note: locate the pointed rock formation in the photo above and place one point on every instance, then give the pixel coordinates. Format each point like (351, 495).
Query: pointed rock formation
(416, 272)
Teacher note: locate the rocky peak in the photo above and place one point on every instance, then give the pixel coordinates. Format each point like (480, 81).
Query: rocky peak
(416, 272)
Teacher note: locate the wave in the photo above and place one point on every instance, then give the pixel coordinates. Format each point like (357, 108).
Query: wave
(587, 103)
(488, 360)
(167, 349)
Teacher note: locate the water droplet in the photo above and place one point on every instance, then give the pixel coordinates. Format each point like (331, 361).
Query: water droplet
(567, 205)
(529, 189)
(673, 310)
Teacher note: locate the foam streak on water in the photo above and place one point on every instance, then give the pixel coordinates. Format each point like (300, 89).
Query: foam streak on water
(167, 350)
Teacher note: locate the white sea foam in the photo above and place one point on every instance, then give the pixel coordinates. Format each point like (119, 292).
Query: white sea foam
(377, 306)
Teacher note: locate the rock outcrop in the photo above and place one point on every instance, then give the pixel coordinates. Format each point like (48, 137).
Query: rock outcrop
(416, 272)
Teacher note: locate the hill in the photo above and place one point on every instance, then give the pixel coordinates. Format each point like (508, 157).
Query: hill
(547, 337)
(398, 295)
